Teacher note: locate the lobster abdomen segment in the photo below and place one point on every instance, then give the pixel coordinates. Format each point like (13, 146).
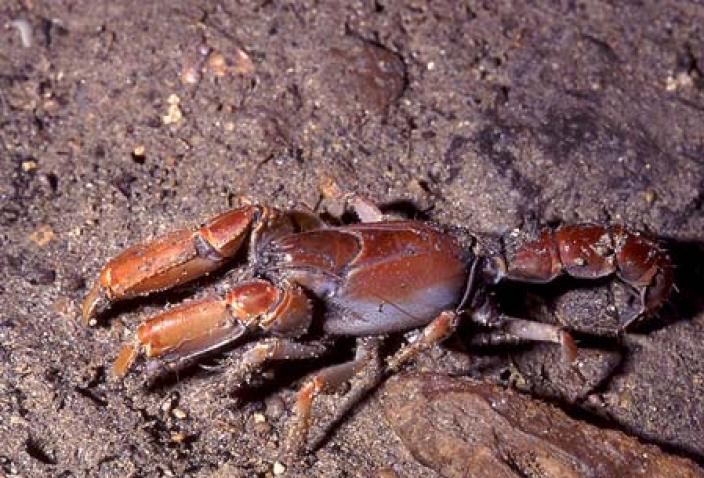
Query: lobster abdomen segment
(588, 252)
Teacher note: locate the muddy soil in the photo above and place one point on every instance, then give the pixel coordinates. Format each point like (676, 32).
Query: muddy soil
(122, 120)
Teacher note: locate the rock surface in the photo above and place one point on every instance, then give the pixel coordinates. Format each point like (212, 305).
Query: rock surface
(469, 429)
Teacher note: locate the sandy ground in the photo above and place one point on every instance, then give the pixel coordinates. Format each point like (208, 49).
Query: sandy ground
(122, 120)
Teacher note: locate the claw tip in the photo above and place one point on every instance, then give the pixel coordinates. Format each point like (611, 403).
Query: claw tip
(124, 361)
(95, 301)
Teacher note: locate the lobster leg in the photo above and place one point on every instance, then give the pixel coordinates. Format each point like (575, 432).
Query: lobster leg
(590, 252)
(512, 331)
(363, 207)
(365, 365)
(182, 333)
(196, 328)
(170, 260)
(269, 350)
(368, 375)
(367, 368)
(435, 332)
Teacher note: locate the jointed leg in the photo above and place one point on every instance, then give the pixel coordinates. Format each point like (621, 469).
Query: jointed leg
(269, 350)
(368, 375)
(365, 367)
(185, 255)
(509, 330)
(435, 332)
(168, 261)
(363, 207)
(184, 333)
(369, 372)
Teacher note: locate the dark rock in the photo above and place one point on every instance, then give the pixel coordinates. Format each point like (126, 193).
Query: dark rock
(358, 74)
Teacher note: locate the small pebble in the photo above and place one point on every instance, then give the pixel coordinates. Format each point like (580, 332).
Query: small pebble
(42, 235)
(680, 80)
(174, 113)
(29, 165)
(279, 468)
(50, 182)
(259, 418)
(243, 64)
(217, 64)
(220, 66)
(190, 75)
(275, 407)
(191, 72)
(179, 413)
(139, 154)
(25, 31)
(178, 437)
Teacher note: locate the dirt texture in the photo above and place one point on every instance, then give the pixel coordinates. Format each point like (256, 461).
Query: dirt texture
(122, 120)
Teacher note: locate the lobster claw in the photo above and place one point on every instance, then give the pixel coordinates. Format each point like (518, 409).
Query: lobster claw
(169, 261)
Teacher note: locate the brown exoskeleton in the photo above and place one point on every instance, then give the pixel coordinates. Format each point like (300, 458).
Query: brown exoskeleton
(374, 278)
